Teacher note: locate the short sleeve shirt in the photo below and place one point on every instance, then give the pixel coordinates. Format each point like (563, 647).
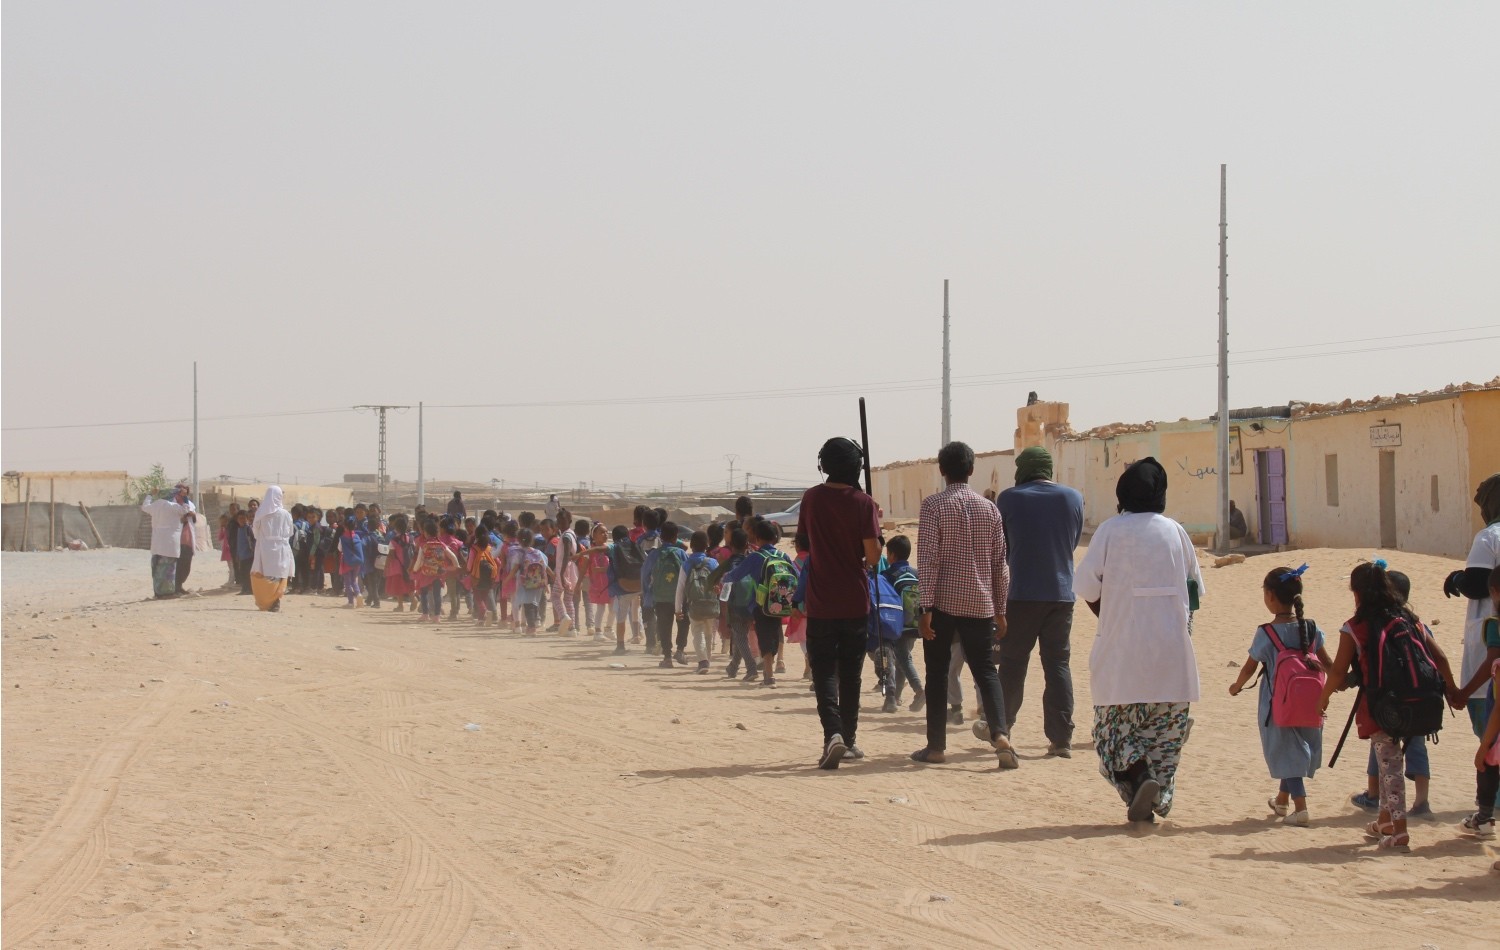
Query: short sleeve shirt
(837, 521)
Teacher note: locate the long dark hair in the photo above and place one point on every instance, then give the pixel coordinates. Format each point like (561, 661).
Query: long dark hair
(1379, 600)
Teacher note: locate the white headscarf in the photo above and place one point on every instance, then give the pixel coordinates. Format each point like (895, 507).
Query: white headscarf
(270, 503)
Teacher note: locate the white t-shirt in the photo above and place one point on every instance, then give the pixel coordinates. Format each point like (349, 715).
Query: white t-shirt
(1138, 566)
(1486, 554)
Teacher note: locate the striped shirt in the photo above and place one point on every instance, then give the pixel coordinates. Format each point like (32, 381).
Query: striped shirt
(961, 554)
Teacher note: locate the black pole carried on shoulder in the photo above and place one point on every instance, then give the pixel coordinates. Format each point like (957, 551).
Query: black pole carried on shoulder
(1345, 735)
(864, 444)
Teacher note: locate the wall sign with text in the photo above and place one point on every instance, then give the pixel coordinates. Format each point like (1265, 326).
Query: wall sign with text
(1385, 437)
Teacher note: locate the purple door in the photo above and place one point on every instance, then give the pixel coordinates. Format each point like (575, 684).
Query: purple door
(1272, 466)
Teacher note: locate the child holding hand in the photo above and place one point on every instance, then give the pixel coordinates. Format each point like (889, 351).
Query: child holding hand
(1292, 753)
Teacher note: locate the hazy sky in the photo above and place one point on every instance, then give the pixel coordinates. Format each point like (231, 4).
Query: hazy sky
(328, 204)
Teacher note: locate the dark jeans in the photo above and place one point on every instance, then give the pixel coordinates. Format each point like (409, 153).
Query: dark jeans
(242, 573)
(836, 653)
(976, 637)
(302, 573)
(648, 622)
(1487, 789)
(1048, 625)
(664, 620)
(184, 566)
(901, 669)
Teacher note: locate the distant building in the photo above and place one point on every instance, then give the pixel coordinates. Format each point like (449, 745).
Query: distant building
(1394, 474)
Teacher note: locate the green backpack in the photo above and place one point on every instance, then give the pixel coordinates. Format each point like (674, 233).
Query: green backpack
(701, 599)
(664, 575)
(778, 585)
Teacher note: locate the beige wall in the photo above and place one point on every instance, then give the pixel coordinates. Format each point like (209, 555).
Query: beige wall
(1481, 415)
(320, 495)
(91, 488)
(1433, 444)
(899, 489)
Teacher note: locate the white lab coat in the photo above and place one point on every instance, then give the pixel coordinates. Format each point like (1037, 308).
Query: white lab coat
(166, 525)
(273, 535)
(1137, 567)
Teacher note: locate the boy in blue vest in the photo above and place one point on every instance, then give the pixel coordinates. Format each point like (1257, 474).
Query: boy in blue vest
(649, 543)
(903, 670)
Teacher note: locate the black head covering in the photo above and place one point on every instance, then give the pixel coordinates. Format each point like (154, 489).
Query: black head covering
(840, 460)
(1487, 497)
(1142, 487)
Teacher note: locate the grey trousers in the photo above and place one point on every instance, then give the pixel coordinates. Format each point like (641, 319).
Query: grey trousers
(1047, 626)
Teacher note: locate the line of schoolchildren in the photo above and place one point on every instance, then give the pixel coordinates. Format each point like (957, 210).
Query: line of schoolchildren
(1405, 684)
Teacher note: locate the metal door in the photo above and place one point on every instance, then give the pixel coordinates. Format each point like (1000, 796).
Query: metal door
(1271, 467)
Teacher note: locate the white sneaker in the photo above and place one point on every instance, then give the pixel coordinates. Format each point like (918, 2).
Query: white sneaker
(1478, 827)
(1298, 819)
(1278, 807)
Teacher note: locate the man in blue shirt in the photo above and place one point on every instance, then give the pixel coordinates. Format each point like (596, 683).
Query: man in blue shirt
(1043, 523)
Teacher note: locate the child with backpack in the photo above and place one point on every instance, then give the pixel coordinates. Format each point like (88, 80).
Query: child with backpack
(738, 600)
(509, 617)
(1418, 764)
(1290, 651)
(484, 574)
(903, 578)
(1404, 679)
(647, 544)
(1481, 824)
(593, 578)
(398, 582)
(697, 597)
(434, 560)
(796, 627)
(623, 568)
(664, 567)
(533, 578)
(351, 560)
(775, 591)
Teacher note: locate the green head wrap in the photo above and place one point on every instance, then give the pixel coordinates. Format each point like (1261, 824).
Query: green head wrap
(1032, 464)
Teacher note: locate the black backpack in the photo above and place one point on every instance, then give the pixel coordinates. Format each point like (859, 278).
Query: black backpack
(486, 573)
(626, 559)
(1402, 684)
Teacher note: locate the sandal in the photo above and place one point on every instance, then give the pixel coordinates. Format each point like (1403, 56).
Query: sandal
(1378, 831)
(929, 756)
(1281, 810)
(1401, 842)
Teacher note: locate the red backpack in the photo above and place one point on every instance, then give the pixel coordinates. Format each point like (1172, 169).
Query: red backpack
(1297, 685)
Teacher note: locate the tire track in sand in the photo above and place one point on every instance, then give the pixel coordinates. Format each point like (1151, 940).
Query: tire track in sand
(69, 850)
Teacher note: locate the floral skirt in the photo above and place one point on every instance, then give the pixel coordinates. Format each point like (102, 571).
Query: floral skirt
(1151, 732)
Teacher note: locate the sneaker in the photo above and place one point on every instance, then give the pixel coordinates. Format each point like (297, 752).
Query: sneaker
(750, 677)
(619, 650)
(955, 715)
(890, 705)
(1297, 819)
(665, 664)
(1478, 826)
(833, 753)
(918, 700)
(702, 666)
(731, 674)
(1421, 810)
(1366, 801)
(981, 730)
(853, 752)
(769, 681)
(780, 667)
(1281, 809)
(1060, 750)
(680, 657)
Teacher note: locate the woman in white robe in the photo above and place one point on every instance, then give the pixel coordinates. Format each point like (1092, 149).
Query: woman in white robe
(1143, 673)
(273, 564)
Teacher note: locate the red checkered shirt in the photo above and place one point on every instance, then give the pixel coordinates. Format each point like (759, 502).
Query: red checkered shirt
(961, 568)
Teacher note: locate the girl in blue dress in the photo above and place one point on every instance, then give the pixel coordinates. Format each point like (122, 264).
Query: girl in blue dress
(1293, 754)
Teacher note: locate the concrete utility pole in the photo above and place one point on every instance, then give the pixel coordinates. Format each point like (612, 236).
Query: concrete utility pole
(196, 500)
(422, 485)
(1223, 463)
(731, 458)
(947, 398)
(381, 410)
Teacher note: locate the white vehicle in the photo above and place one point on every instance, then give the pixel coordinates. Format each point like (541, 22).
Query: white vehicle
(786, 519)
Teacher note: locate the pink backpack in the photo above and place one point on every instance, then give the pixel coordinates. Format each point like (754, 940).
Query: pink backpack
(1297, 687)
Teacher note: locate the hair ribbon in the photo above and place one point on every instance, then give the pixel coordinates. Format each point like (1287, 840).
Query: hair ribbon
(1381, 563)
(1289, 575)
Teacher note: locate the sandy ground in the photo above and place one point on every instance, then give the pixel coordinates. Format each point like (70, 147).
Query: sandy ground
(198, 774)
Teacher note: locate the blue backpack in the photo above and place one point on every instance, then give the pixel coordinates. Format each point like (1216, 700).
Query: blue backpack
(887, 616)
